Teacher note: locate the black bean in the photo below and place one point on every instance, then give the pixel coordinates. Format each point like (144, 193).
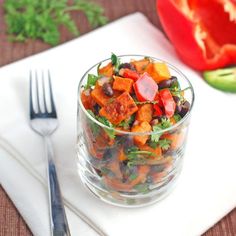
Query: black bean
(176, 99)
(96, 109)
(178, 108)
(173, 80)
(127, 65)
(184, 109)
(107, 89)
(164, 84)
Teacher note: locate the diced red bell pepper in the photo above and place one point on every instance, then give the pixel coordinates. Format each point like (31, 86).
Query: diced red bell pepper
(157, 110)
(203, 32)
(145, 88)
(127, 73)
(168, 102)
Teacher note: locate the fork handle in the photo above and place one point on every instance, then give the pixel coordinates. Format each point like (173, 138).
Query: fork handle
(59, 224)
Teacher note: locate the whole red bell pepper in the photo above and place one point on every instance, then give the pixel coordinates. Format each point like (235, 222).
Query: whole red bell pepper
(168, 102)
(145, 88)
(203, 32)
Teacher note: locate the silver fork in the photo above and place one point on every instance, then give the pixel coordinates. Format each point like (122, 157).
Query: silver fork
(43, 120)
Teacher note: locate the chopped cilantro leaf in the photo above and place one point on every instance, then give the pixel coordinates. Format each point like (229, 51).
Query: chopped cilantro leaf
(164, 144)
(177, 118)
(115, 62)
(92, 79)
(110, 132)
(165, 123)
(142, 188)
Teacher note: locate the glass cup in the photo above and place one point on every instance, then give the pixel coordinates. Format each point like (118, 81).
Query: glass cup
(140, 179)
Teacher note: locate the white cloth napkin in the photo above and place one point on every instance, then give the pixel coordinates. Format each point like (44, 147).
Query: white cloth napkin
(206, 189)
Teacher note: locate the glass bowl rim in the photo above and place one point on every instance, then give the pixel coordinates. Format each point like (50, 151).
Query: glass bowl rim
(173, 127)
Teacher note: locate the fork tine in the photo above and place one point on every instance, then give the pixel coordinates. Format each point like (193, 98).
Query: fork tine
(44, 96)
(37, 92)
(54, 113)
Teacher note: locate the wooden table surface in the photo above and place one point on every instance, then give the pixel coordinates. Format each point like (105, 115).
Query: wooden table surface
(11, 222)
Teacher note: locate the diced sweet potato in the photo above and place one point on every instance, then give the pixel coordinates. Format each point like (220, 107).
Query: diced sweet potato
(122, 84)
(99, 97)
(162, 71)
(142, 127)
(87, 100)
(158, 71)
(176, 139)
(106, 70)
(121, 155)
(141, 65)
(144, 113)
(120, 109)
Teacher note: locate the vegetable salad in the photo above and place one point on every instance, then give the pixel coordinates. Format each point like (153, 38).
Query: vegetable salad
(136, 103)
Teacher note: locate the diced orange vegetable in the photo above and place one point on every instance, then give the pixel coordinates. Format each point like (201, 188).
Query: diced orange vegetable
(87, 101)
(142, 127)
(144, 113)
(99, 97)
(158, 71)
(122, 84)
(177, 139)
(141, 65)
(157, 151)
(162, 71)
(120, 109)
(106, 70)
(121, 155)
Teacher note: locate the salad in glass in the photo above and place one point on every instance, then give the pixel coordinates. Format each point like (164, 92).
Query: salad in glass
(133, 116)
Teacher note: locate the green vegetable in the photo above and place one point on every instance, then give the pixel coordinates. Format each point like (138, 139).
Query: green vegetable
(126, 123)
(136, 156)
(94, 127)
(165, 123)
(142, 188)
(177, 118)
(115, 62)
(40, 19)
(133, 176)
(164, 143)
(110, 132)
(222, 79)
(92, 79)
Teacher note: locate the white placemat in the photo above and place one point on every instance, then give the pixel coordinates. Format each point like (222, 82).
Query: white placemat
(206, 189)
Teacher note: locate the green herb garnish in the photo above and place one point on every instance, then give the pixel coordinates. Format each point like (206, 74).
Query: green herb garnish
(142, 188)
(94, 127)
(40, 19)
(126, 123)
(110, 132)
(164, 144)
(115, 62)
(133, 176)
(165, 123)
(92, 79)
(177, 118)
